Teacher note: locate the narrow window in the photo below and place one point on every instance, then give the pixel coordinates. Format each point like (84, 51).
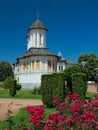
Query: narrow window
(49, 64)
(61, 68)
(37, 64)
(32, 65)
(40, 39)
(23, 66)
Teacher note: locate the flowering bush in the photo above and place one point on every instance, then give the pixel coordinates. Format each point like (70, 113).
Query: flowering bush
(37, 115)
(73, 114)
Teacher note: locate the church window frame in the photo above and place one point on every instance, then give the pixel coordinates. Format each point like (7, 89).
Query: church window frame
(49, 64)
(32, 64)
(60, 68)
(23, 66)
(37, 64)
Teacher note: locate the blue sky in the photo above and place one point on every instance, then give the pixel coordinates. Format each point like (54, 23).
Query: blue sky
(72, 26)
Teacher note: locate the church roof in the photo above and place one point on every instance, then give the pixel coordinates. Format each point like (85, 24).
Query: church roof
(38, 25)
(37, 52)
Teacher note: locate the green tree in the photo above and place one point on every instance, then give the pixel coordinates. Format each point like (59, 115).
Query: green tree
(91, 62)
(5, 70)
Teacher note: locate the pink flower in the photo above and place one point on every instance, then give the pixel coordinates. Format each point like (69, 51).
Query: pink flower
(75, 108)
(62, 106)
(89, 116)
(70, 120)
(74, 97)
(55, 101)
(38, 124)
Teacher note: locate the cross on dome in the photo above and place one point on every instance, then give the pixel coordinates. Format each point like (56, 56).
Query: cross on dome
(37, 15)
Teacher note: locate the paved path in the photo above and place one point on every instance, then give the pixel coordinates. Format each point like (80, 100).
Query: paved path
(14, 105)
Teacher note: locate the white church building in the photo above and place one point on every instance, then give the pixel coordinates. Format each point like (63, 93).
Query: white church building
(38, 60)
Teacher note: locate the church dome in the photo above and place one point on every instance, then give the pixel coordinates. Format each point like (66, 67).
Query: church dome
(38, 25)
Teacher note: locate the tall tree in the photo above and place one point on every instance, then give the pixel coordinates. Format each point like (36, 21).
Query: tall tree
(91, 62)
(5, 70)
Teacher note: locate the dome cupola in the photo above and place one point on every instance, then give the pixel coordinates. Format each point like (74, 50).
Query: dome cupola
(38, 25)
(37, 35)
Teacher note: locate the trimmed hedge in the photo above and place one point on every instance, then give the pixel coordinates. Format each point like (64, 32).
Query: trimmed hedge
(61, 87)
(47, 92)
(69, 72)
(52, 84)
(12, 91)
(79, 84)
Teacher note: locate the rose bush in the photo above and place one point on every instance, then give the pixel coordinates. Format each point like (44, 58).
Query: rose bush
(73, 114)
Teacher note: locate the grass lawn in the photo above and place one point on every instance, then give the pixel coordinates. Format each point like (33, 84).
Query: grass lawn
(27, 94)
(21, 118)
(90, 94)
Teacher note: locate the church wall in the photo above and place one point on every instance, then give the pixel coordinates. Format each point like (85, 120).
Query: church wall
(61, 66)
(29, 70)
(37, 39)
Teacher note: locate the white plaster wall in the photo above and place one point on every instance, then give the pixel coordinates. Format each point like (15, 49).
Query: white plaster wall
(37, 39)
(61, 64)
(33, 76)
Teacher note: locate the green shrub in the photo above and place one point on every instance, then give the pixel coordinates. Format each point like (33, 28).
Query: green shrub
(53, 84)
(47, 91)
(8, 83)
(35, 90)
(69, 72)
(12, 91)
(79, 84)
(39, 90)
(61, 87)
(18, 86)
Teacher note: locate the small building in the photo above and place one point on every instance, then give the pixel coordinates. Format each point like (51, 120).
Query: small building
(38, 60)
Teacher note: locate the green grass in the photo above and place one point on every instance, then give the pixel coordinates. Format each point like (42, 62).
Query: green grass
(27, 94)
(21, 118)
(21, 94)
(90, 94)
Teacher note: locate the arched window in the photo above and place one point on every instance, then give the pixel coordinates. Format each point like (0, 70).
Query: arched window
(49, 64)
(37, 64)
(23, 66)
(32, 65)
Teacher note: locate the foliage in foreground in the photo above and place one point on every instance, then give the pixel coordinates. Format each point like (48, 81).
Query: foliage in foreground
(73, 114)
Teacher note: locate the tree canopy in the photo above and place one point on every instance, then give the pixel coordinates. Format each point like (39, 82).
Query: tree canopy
(91, 62)
(5, 70)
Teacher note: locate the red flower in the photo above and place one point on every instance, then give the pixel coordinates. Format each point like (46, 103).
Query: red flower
(62, 106)
(73, 97)
(70, 121)
(89, 116)
(75, 109)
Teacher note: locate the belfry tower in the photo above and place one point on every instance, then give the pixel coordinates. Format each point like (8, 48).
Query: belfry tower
(37, 35)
